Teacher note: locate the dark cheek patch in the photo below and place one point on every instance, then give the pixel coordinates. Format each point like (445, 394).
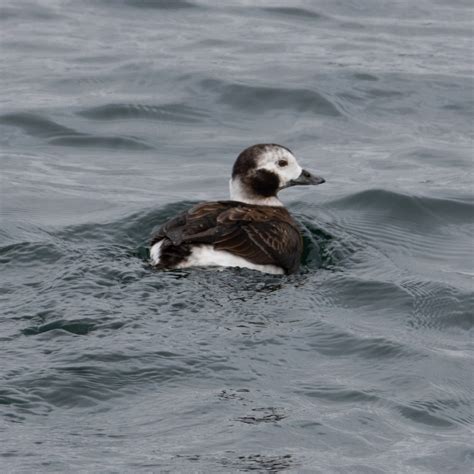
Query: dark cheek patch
(264, 183)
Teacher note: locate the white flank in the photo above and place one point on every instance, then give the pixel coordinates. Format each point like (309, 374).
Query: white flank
(155, 253)
(207, 256)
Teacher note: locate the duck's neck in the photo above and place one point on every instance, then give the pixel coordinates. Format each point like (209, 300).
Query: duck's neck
(238, 192)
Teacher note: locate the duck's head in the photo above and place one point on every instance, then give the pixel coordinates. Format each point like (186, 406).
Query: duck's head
(260, 171)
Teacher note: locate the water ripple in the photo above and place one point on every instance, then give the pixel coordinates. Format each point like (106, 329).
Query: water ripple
(261, 99)
(169, 112)
(56, 134)
(288, 12)
(112, 114)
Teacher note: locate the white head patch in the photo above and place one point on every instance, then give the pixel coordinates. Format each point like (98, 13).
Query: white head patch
(281, 162)
(273, 158)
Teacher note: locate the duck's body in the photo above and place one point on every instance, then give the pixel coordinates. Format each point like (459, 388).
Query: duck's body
(253, 230)
(230, 233)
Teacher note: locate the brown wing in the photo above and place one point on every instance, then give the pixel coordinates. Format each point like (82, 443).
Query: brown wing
(198, 222)
(261, 234)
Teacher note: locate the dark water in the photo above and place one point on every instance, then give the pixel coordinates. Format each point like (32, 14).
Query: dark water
(115, 115)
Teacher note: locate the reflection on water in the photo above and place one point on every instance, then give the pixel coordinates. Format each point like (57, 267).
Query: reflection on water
(116, 116)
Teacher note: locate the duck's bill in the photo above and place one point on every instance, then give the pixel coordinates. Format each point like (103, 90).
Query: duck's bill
(306, 178)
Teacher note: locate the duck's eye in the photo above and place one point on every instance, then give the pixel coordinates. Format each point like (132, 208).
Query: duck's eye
(282, 163)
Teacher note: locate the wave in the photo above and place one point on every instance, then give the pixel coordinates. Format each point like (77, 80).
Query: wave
(57, 134)
(94, 141)
(260, 99)
(302, 13)
(155, 4)
(421, 209)
(29, 12)
(169, 112)
(434, 230)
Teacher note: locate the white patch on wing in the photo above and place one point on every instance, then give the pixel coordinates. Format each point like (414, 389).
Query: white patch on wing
(207, 256)
(155, 253)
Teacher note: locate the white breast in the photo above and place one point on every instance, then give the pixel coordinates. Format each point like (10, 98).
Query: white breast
(207, 256)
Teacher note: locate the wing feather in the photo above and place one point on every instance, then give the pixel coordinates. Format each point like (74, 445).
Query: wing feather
(261, 234)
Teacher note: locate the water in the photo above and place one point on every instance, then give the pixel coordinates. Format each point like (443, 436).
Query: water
(117, 115)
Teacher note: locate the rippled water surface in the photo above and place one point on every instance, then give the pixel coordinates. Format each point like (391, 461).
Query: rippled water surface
(114, 116)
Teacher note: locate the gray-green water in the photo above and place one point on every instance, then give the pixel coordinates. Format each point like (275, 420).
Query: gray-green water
(114, 116)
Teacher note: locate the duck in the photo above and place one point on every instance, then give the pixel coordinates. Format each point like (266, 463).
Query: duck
(252, 230)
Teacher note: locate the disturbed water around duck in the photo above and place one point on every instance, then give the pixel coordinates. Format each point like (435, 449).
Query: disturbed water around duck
(117, 116)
